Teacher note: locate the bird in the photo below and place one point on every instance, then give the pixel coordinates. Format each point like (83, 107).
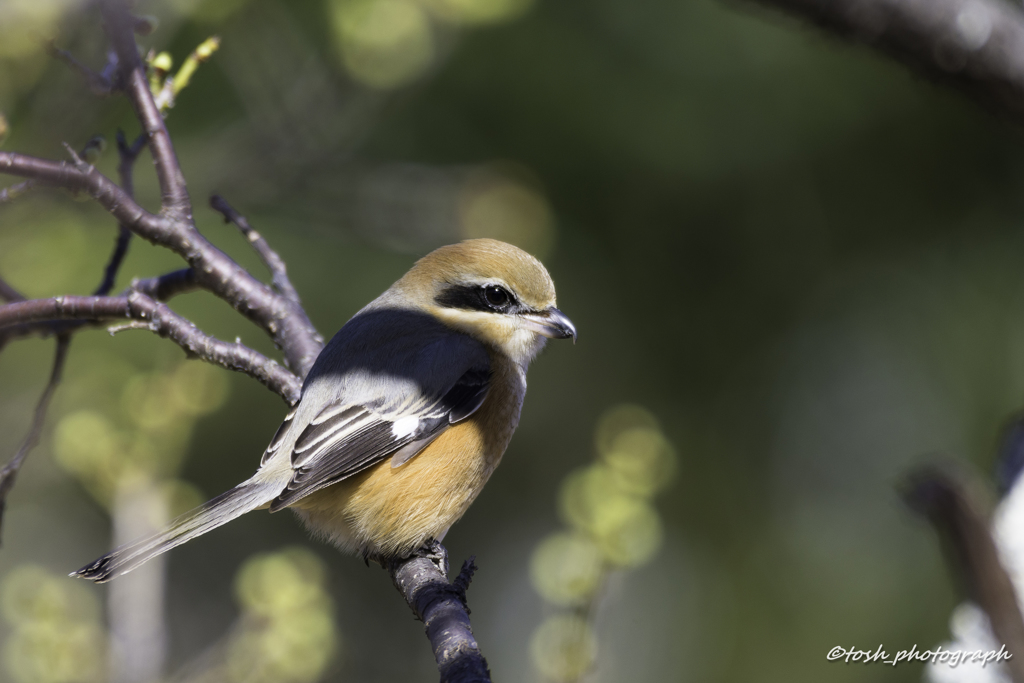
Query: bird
(404, 415)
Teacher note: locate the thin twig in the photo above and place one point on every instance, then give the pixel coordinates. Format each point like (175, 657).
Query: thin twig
(273, 262)
(164, 322)
(945, 497)
(441, 606)
(10, 471)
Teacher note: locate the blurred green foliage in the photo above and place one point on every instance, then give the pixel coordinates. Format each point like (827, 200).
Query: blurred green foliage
(56, 633)
(614, 526)
(800, 258)
(160, 410)
(287, 631)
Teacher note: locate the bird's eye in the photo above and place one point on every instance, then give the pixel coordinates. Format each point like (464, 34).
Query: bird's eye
(496, 296)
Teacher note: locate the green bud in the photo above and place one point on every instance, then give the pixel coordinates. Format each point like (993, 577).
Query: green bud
(162, 62)
(207, 48)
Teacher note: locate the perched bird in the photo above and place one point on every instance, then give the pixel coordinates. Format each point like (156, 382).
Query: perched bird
(404, 415)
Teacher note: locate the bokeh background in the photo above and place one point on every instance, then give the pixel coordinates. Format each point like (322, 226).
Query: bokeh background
(795, 268)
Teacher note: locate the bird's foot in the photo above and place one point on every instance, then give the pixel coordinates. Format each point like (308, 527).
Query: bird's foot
(435, 552)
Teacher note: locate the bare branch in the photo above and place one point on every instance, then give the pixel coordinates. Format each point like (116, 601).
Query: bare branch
(120, 27)
(166, 323)
(441, 606)
(270, 258)
(977, 45)
(944, 496)
(10, 471)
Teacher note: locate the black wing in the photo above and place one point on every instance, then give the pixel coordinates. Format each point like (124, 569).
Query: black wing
(344, 439)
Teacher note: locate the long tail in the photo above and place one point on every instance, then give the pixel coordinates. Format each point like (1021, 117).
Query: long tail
(245, 497)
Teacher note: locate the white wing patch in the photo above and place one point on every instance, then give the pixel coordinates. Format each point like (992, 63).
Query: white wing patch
(405, 426)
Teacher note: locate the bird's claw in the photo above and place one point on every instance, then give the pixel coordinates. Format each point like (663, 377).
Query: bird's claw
(435, 552)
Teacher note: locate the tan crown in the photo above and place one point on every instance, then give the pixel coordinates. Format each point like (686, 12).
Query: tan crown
(480, 261)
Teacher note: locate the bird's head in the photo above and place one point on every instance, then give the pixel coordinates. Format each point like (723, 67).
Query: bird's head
(492, 291)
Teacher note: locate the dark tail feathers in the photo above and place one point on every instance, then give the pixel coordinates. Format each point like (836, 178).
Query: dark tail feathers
(222, 509)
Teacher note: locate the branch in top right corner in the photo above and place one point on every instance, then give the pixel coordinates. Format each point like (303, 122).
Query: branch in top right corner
(976, 45)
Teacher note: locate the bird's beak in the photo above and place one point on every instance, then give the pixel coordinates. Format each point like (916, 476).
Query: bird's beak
(551, 323)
